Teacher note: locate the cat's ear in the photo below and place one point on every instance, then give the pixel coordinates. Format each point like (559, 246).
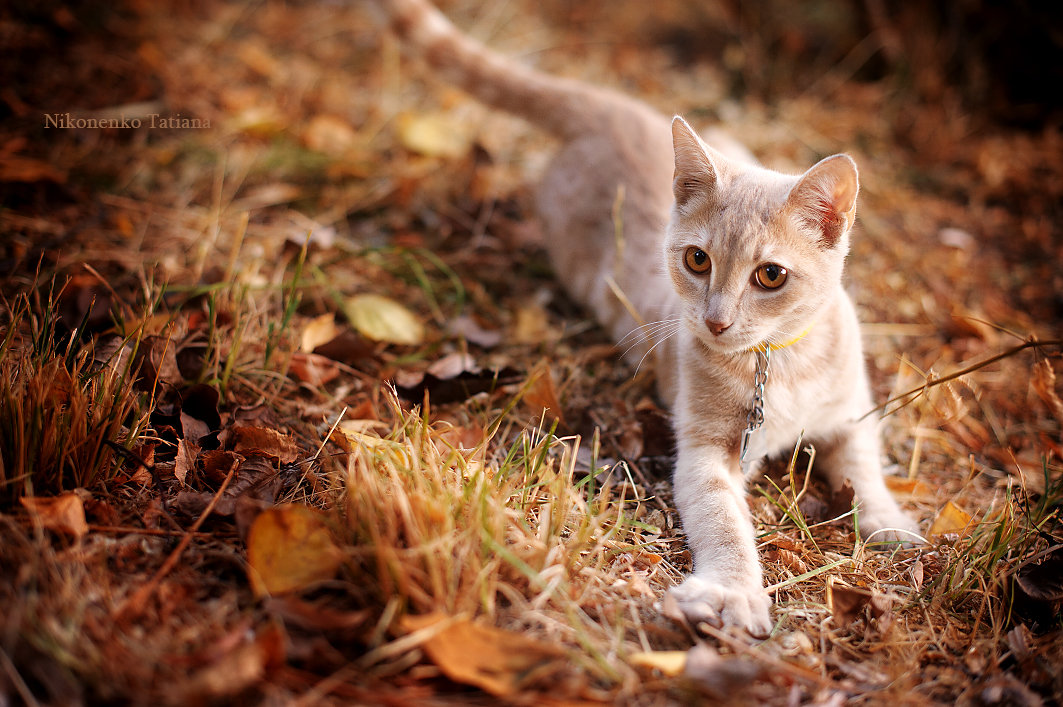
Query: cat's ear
(824, 199)
(695, 174)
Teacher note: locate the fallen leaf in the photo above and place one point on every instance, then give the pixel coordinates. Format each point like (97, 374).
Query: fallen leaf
(329, 135)
(499, 662)
(671, 663)
(541, 394)
(290, 548)
(186, 459)
(532, 325)
(912, 488)
(950, 520)
(469, 329)
(318, 331)
(312, 369)
(383, 319)
(348, 348)
(847, 604)
(434, 134)
(1043, 581)
(264, 441)
(64, 513)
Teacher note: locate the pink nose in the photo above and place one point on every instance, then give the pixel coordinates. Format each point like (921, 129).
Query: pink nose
(716, 328)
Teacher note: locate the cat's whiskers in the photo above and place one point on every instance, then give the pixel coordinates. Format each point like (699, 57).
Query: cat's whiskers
(649, 332)
(663, 339)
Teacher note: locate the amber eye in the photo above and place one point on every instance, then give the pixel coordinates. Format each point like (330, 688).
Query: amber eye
(770, 276)
(697, 260)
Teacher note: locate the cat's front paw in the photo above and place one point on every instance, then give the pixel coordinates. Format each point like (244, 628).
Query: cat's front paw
(704, 600)
(889, 525)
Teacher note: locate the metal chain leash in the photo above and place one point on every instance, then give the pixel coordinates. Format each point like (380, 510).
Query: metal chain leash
(756, 412)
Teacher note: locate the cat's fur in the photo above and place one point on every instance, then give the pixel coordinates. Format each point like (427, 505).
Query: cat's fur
(678, 193)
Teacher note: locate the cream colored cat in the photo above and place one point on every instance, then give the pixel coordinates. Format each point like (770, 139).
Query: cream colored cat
(735, 263)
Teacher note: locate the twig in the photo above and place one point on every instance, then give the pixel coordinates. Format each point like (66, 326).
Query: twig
(130, 530)
(135, 604)
(21, 687)
(932, 381)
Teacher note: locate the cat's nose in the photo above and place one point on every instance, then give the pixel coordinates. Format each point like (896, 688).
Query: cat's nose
(717, 328)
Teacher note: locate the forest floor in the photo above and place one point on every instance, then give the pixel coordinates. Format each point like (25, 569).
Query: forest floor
(293, 412)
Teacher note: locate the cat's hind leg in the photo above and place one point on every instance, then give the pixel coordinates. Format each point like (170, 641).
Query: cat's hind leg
(853, 454)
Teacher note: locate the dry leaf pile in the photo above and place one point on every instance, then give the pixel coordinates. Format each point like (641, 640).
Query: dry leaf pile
(293, 412)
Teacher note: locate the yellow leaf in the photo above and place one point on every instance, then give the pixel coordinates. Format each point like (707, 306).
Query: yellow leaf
(320, 330)
(951, 519)
(290, 548)
(500, 662)
(383, 319)
(671, 663)
(434, 135)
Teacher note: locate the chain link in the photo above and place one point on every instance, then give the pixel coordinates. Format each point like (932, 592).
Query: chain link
(756, 411)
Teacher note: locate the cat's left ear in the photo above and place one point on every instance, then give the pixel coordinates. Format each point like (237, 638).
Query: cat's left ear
(824, 199)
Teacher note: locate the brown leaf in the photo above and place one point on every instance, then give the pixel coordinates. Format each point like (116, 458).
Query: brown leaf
(186, 459)
(312, 369)
(216, 463)
(847, 604)
(64, 513)
(250, 440)
(348, 348)
(1043, 581)
(290, 548)
(500, 662)
(541, 394)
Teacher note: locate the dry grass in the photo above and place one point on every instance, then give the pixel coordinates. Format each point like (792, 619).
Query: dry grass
(486, 552)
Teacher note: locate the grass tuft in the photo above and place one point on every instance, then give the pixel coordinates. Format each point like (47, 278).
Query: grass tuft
(59, 407)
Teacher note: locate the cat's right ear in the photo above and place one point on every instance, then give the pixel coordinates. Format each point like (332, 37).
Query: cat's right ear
(695, 174)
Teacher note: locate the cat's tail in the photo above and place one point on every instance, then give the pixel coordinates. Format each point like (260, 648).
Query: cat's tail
(563, 107)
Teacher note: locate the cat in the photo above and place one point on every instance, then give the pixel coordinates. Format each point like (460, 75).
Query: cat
(739, 270)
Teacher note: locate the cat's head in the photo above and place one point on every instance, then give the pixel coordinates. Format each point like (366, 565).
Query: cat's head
(755, 254)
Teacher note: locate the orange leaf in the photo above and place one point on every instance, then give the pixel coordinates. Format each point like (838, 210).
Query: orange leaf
(500, 662)
(290, 548)
(64, 513)
(951, 519)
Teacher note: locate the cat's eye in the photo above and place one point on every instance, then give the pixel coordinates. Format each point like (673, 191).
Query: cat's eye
(697, 260)
(770, 276)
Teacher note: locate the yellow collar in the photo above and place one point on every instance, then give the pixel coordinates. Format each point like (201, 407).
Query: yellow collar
(765, 346)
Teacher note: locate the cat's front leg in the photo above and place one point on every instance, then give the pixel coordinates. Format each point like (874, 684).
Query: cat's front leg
(726, 587)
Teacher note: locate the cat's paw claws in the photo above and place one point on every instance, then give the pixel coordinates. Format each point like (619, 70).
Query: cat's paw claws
(701, 600)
